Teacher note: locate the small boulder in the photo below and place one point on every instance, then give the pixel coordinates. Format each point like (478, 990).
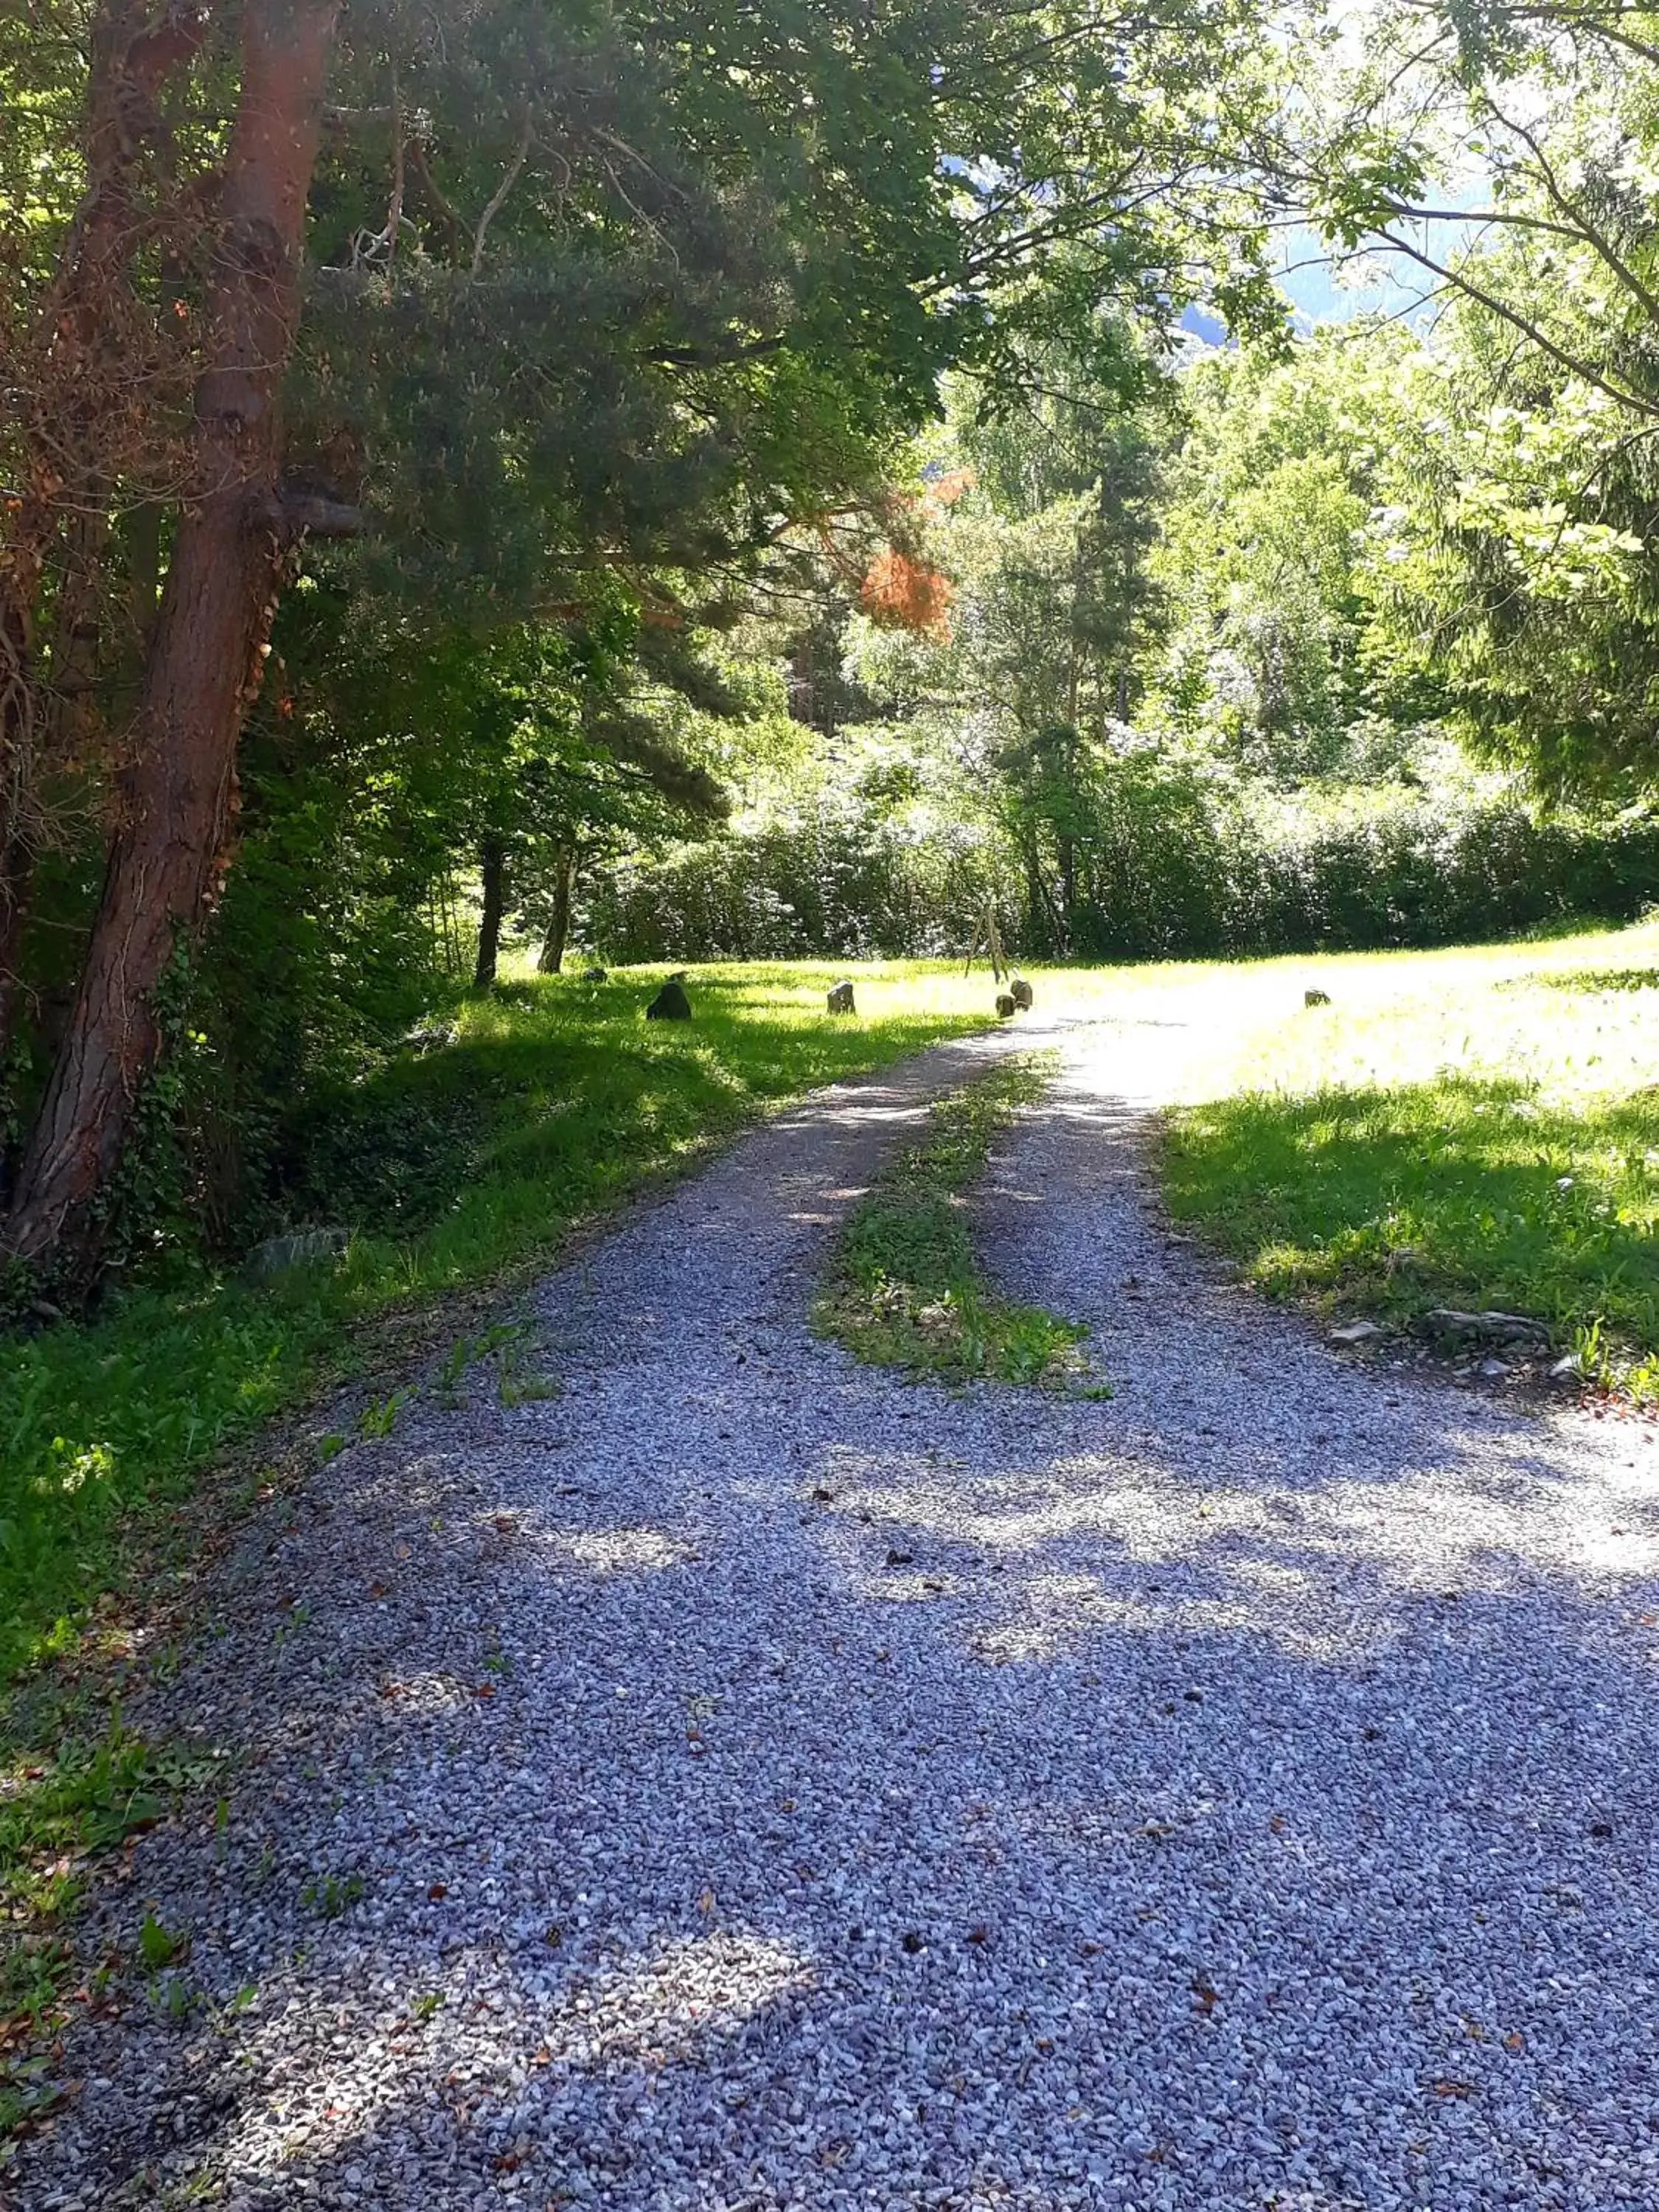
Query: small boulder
(1316, 998)
(295, 1249)
(1004, 1004)
(670, 1003)
(1020, 992)
(1353, 1333)
(841, 998)
(1450, 1326)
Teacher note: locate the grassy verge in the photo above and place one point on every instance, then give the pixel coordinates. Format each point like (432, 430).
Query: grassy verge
(904, 1289)
(1491, 1138)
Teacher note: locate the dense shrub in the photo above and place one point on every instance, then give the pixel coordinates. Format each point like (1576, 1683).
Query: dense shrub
(832, 884)
(1164, 871)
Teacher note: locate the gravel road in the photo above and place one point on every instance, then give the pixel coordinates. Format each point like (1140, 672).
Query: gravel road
(744, 1780)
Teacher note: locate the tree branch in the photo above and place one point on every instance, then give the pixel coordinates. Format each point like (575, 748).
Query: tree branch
(499, 199)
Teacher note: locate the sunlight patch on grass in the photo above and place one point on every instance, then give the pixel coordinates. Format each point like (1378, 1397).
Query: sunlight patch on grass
(1489, 1138)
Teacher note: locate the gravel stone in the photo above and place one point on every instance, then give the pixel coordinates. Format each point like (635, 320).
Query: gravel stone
(747, 1780)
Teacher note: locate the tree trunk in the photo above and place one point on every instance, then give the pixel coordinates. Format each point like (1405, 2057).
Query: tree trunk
(1067, 848)
(558, 926)
(492, 864)
(17, 883)
(176, 794)
(75, 381)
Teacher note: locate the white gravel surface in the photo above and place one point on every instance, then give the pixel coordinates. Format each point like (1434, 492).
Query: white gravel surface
(769, 1784)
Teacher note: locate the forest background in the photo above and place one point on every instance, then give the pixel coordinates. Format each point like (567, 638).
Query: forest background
(767, 480)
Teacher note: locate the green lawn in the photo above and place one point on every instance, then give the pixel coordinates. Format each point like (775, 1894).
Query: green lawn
(1476, 1128)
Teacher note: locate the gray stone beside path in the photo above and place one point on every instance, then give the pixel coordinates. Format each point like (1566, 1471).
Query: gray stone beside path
(747, 1781)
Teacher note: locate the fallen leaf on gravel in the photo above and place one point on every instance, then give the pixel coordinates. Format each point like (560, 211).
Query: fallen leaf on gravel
(705, 1902)
(978, 1935)
(484, 1690)
(439, 1891)
(1515, 2040)
(1454, 2088)
(1278, 1824)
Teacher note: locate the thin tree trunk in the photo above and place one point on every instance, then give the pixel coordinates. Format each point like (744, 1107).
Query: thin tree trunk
(492, 863)
(177, 792)
(558, 926)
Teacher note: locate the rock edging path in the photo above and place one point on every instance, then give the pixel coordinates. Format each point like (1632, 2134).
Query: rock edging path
(746, 1780)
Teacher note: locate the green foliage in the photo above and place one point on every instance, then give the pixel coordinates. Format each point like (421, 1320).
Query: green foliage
(1171, 862)
(581, 1103)
(904, 1289)
(1261, 554)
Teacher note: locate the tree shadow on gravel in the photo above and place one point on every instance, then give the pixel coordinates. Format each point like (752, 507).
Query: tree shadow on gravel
(768, 1783)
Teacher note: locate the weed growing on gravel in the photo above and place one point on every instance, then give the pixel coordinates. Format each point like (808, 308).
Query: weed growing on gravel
(57, 1808)
(904, 1289)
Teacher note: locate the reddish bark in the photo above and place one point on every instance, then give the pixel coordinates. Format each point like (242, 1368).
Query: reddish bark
(176, 794)
(73, 373)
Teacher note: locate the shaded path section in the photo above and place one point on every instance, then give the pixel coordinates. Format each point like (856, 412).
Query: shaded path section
(748, 1781)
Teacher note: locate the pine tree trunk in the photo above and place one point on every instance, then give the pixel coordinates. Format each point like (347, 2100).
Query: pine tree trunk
(176, 793)
(73, 372)
(558, 926)
(492, 865)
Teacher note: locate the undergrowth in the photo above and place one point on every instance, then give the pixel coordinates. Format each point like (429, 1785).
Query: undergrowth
(904, 1288)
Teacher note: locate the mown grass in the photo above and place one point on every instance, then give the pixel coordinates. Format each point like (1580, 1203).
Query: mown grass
(904, 1288)
(1468, 1132)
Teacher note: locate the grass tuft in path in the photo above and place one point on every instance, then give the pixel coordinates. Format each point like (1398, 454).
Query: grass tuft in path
(904, 1289)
